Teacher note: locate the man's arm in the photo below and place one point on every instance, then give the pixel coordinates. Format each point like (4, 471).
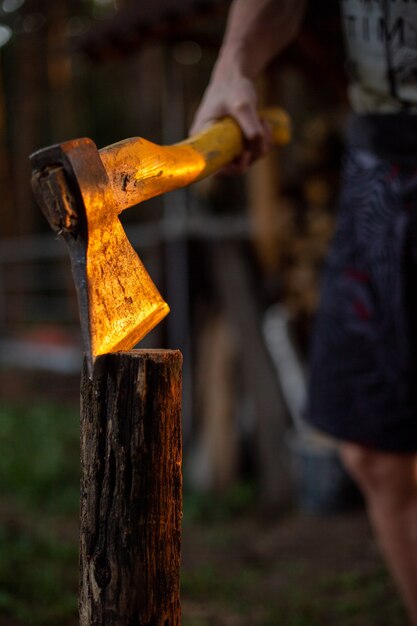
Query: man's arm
(256, 31)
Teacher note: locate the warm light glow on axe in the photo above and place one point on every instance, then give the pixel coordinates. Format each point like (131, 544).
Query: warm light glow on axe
(82, 190)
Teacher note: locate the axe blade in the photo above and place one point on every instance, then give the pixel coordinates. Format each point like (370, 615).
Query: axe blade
(118, 301)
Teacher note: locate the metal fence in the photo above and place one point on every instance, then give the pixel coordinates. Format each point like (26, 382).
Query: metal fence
(37, 291)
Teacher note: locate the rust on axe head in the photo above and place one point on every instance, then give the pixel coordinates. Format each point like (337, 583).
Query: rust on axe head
(118, 302)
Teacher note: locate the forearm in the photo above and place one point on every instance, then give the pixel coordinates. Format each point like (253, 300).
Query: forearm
(257, 30)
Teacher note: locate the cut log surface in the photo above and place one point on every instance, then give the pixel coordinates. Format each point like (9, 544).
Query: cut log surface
(131, 490)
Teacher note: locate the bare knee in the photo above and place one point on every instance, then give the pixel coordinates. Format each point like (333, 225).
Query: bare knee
(362, 465)
(391, 476)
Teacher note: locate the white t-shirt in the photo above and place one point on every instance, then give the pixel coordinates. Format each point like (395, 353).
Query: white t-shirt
(381, 42)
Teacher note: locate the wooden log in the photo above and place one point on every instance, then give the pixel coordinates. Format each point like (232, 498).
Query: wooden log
(233, 283)
(215, 458)
(131, 498)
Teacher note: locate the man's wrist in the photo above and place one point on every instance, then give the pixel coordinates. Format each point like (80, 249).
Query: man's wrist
(234, 59)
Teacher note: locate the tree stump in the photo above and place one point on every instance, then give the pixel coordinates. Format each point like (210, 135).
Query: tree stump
(131, 490)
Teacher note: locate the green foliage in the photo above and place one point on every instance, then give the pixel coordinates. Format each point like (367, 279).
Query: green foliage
(38, 575)
(345, 599)
(229, 582)
(223, 586)
(209, 508)
(224, 582)
(39, 464)
(39, 481)
(206, 581)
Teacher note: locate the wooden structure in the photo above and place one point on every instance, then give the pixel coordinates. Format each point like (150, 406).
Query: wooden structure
(130, 532)
(234, 287)
(139, 23)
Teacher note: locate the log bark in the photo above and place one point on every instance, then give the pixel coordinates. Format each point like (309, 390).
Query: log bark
(131, 491)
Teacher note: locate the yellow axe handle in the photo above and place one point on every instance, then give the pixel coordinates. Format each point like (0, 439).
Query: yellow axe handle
(138, 169)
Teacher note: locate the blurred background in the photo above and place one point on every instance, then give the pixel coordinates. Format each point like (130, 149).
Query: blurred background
(274, 532)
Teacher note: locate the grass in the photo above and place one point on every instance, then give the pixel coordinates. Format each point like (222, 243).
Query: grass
(39, 478)
(294, 603)
(234, 590)
(40, 457)
(208, 508)
(38, 577)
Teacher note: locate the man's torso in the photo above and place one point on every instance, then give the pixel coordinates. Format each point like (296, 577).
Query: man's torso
(381, 42)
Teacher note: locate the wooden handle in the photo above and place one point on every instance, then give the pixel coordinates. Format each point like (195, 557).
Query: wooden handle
(222, 142)
(139, 170)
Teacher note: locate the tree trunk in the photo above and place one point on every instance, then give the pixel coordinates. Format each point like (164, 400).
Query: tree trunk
(130, 533)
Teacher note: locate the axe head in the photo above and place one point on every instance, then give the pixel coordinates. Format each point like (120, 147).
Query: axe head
(118, 302)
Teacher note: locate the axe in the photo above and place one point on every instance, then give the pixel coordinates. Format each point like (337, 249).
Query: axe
(81, 190)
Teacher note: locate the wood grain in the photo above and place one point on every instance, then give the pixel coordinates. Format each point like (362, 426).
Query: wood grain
(131, 490)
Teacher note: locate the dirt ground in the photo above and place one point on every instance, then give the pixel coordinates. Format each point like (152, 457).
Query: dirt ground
(299, 570)
(238, 568)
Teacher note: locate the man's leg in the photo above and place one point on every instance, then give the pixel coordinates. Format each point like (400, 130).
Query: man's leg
(389, 485)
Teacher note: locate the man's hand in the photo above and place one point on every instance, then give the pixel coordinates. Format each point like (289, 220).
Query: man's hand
(256, 31)
(231, 93)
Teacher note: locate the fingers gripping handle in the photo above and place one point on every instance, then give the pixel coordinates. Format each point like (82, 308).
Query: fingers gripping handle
(139, 170)
(223, 141)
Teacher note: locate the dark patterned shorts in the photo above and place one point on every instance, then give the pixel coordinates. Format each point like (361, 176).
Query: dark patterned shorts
(363, 383)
